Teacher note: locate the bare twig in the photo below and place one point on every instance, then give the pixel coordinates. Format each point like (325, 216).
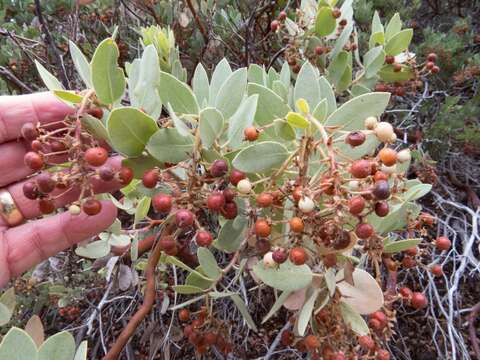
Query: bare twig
(472, 331)
(10, 77)
(199, 23)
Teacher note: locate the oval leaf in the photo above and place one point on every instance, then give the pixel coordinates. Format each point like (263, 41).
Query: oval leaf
(399, 42)
(287, 277)
(353, 319)
(60, 346)
(18, 345)
(400, 245)
(211, 126)
(242, 119)
(260, 157)
(325, 23)
(208, 263)
(167, 145)
(34, 328)
(231, 93)
(178, 94)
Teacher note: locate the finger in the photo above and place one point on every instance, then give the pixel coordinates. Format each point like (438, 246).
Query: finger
(13, 166)
(18, 110)
(31, 243)
(29, 208)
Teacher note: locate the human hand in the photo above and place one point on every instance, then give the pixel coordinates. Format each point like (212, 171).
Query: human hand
(25, 245)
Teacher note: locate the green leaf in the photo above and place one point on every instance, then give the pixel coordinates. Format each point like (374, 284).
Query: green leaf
(279, 88)
(178, 94)
(393, 27)
(270, 106)
(208, 263)
(9, 299)
(260, 157)
(287, 277)
(211, 126)
(306, 86)
(400, 245)
(416, 192)
(144, 94)
(373, 61)
(194, 280)
(320, 112)
(257, 75)
(306, 312)
(81, 64)
(48, 79)
(231, 234)
(353, 319)
(244, 311)
(5, 315)
(94, 127)
(359, 89)
(276, 306)
(141, 164)
(345, 80)
(328, 94)
(187, 289)
(242, 119)
(129, 130)
(285, 130)
(167, 145)
(94, 250)
(180, 126)
(108, 78)
(18, 345)
(337, 67)
(352, 114)
(142, 209)
(81, 353)
(376, 39)
(174, 261)
(220, 74)
(399, 42)
(231, 93)
(342, 40)
(297, 120)
(285, 75)
(387, 74)
(325, 23)
(200, 84)
(60, 346)
(68, 96)
(376, 23)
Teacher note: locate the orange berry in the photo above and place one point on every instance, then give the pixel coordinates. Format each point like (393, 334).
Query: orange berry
(388, 156)
(298, 256)
(443, 243)
(251, 133)
(312, 342)
(184, 315)
(264, 200)
(296, 224)
(262, 228)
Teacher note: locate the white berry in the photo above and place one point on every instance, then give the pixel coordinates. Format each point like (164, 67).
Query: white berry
(384, 131)
(371, 122)
(306, 204)
(74, 209)
(244, 186)
(389, 169)
(404, 155)
(268, 260)
(354, 184)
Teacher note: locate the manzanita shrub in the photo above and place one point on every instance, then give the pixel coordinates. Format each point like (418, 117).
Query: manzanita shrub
(290, 173)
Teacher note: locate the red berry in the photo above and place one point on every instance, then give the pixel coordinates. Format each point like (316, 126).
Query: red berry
(298, 256)
(106, 173)
(215, 201)
(210, 338)
(96, 156)
(30, 190)
(236, 176)
(45, 182)
(262, 228)
(230, 210)
(92, 207)
(375, 324)
(57, 146)
(389, 59)
(382, 209)
(96, 112)
(184, 218)
(405, 293)
(251, 133)
(435, 70)
(184, 315)
(408, 262)
(361, 168)
(46, 206)
(282, 15)
(312, 342)
(219, 168)
(429, 65)
(379, 176)
(380, 317)
(125, 175)
(381, 190)
(355, 138)
(162, 202)
(436, 270)
(168, 245)
(287, 338)
(383, 354)
(364, 231)
(33, 160)
(274, 25)
(343, 22)
(262, 246)
(319, 50)
(203, 238)
(29, 131)
(356, 205)
(36, 145)
(418, 300)
(443, 243)
(280, 256)
(229, 195)
(330, 260)
(432, 57)
(264, 200)
(366, 342)
(150, 178)
(412, 251)
(397, 67)
(338, 356)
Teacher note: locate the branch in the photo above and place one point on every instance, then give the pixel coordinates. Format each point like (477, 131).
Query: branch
(143, 311)
(197, 20)
(472, 331)
(9, 76)
(51, 43)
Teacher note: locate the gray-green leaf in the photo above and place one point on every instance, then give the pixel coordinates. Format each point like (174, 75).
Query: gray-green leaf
(60, 346)
(260, 157)
(211, 125)
(167, 145)
(287, 277)
(178, 94)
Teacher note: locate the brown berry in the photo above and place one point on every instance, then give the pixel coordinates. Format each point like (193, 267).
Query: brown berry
(264, 200)
(382, 209)
(236, 176)
(343, 22)
(312, 342)
(388, 156)
(96, 112)
(125, 175)
(380, 176)
(330, 260)
(184, 315)
(219, 168)
(397, 67)
(262, 246)
(364, 231)
(389, 59)
(33, 160)
(91, 207)
(287, 337)
(215, 201)
(230, 210)
(355, 138)
(381, 190)
(361, 168)
(150, 178)
(96, 156)
(356, 205)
